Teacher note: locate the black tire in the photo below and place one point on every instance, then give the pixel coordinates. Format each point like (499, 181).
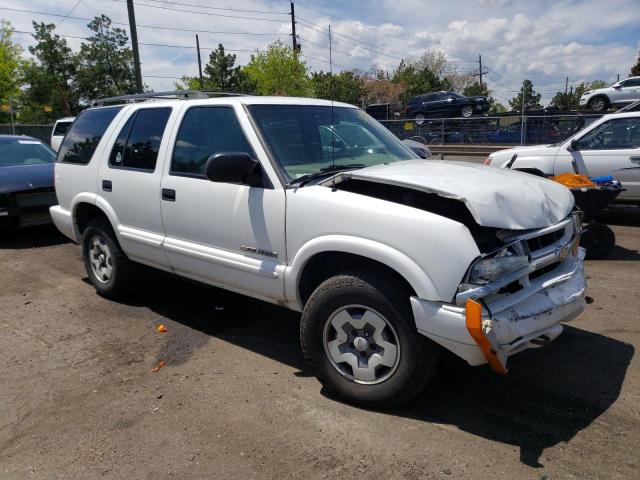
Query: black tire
(599, 240)
(599, 104)
(117, 286)
(418, 355)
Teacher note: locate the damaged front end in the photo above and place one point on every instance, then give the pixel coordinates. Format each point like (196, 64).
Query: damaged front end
(513, 297)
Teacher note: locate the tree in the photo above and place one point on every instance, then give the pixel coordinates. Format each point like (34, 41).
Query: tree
(635, 70)
(497, 107)
(571, 99)
(278, 71)
(531, 98)
(348, 87)
(10, 63)
(220, 74)
(51, 78)
(417, 79)
(105, 62)
(379, 88)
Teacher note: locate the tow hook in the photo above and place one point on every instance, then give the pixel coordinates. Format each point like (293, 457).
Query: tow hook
(482, 333)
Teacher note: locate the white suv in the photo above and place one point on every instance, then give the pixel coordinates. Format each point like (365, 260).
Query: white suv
(388, 257)
(623, 92)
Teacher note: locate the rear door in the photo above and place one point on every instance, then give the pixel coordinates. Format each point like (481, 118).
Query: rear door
(611, 148)
(630, 91)
(129, 182)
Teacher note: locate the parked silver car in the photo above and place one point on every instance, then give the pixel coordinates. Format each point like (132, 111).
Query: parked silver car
(623, 92)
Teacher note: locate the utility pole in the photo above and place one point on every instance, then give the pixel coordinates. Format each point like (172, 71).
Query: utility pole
(293, 27)
(480, 69)
(134, 45)
(618, 78)
(566, 85)
(199, 63)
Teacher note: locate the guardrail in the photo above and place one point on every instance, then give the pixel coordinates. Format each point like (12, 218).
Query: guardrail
(496, 130)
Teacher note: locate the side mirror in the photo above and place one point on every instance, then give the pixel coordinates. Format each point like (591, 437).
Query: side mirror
(616, 86)
(233, 167)
(574, 144)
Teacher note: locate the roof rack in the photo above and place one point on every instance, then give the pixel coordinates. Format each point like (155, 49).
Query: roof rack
(175, 94)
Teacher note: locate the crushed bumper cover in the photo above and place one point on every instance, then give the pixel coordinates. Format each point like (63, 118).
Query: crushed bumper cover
(529, 318)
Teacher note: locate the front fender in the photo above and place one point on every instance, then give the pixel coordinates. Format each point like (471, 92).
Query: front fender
(534, 162)
(398, 261)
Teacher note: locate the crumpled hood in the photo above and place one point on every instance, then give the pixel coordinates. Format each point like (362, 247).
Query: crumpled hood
(16, 178)
(495, 197)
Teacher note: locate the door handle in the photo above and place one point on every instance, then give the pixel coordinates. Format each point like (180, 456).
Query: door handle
(168, 194)
(635, 159)
(107, 186)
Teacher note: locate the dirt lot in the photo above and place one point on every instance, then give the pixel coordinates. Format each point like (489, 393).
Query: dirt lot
(78, 398)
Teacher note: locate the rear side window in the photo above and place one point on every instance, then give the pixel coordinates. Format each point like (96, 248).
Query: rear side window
(206, 131)
(61, 128)
(139, 140)
(85, 134)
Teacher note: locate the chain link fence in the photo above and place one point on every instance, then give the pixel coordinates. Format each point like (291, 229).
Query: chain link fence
(41, 132)
(495, 130)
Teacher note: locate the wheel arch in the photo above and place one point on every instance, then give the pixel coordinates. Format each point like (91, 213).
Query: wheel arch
(326, 256)
(85, 207)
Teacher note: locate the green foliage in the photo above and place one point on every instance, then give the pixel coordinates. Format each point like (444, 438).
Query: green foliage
(497, 107)
(531, 98)
(476, 90)
(10, 64)
(51, 79)
(347, 86)
(635, 70)
(105, 62)
(417, 79)
(278, 71)
(220, 74)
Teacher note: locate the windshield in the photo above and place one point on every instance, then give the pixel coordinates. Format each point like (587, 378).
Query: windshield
(27, 151)
(304, 140)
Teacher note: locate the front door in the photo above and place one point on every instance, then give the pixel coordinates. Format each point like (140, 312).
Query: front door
(224, 234)
(611, 148)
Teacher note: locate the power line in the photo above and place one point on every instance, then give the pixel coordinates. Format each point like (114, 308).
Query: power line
(205, 13)
(70, 12)
(220, 8)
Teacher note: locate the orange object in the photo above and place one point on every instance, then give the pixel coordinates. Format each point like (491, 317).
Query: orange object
(573, 180)
(162, 328)
(158, 367)
(474, 326)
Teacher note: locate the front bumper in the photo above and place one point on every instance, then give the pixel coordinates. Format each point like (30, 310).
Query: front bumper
(27, 209)
(525, 309)
(584, 101)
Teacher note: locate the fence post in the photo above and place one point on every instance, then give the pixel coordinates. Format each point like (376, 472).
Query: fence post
(442, 132)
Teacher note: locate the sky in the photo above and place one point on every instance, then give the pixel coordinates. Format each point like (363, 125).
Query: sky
(544, 41)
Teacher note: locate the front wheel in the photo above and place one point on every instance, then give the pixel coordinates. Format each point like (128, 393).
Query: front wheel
(419, 118)
(467, 111)
(359, 338)
(598, 104)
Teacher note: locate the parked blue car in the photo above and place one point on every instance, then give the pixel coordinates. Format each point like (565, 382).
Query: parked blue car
(26, 182)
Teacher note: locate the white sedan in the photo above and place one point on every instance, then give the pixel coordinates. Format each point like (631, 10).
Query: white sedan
(609, 146)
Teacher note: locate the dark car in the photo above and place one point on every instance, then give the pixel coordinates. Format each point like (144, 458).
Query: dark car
(26, 182)
(448, 104)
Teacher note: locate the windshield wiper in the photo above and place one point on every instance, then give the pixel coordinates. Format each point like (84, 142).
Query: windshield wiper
(325, 171)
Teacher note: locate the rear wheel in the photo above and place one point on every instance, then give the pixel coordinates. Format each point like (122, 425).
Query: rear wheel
(598, 104)
(467, 111)
(108, 268)
(359, 338)
(599, 240)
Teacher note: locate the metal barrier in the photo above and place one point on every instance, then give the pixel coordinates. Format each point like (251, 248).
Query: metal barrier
(41, 132)
(496, 130)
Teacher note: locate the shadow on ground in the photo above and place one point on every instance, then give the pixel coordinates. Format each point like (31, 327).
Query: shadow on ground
(32, 237)
(621, 214)
(548, 397)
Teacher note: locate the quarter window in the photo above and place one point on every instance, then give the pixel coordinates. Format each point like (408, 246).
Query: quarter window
(620, 133)
(206, 131)
(86, 132)
(139, 140)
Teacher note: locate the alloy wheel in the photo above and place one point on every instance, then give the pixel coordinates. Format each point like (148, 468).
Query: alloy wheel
(100, 259)
(361, 344)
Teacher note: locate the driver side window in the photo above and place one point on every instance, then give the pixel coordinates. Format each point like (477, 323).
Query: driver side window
(620, 133)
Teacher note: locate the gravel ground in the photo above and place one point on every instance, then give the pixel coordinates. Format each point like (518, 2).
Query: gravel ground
(78, 398)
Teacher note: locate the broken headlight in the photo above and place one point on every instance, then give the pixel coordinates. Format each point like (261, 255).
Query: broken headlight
(493, 268)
